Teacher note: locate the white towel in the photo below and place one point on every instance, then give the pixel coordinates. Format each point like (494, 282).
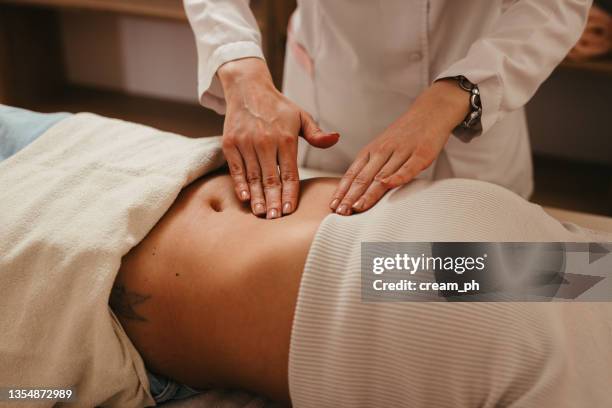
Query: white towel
(71, 205)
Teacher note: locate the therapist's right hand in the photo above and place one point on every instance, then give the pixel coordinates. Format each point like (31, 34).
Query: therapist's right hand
(260, 138)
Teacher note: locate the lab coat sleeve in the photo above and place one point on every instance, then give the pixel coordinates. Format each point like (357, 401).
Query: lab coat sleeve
(526, 44)
(224, 30)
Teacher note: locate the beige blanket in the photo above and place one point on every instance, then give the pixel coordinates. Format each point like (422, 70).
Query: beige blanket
(71, 205)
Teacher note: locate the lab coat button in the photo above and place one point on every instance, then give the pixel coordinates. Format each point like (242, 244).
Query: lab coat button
(415, 56)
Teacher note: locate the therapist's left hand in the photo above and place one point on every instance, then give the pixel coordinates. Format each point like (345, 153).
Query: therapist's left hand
(404, 149)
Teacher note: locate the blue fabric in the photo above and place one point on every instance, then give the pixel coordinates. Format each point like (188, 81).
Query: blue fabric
(164, 389)
(20, 127)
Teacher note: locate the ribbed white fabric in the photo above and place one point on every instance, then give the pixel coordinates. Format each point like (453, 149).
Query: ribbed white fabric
(348, 353)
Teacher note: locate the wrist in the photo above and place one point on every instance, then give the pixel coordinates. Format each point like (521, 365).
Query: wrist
(453, 103)
(253, 71)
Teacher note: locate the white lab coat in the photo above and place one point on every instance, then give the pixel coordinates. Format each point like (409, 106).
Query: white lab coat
(357, 65)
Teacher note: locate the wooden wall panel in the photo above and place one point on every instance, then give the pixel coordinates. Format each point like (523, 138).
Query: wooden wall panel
(31, 62)
(31, 58)
(172, 9)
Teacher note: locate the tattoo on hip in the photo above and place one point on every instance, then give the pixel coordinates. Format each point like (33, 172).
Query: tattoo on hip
(124, 303)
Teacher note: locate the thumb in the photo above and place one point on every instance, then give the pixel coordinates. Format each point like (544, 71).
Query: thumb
(315, 136)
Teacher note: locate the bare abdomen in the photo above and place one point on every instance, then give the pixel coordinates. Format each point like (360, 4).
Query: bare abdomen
(208, 296)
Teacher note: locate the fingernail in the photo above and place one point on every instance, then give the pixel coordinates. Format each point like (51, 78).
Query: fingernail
(334, 204)
(273, 213)
(335, 134)
(359, 204)
(244, 195)
(287, 208)
(343, 209)
(259, 209)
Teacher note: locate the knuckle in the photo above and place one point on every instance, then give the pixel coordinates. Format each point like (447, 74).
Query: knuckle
(290, 177)
(367, 199)
(388, 146)
(253, 177)
(236, 169)
(377, 188)
(425, 152)
(240, 184)
(290, 196)
(425, 164)
(399, 177)
(422, 162)
(228, 140)
(338, 193)
(416, 169)
(351, 173)
(287, 139)
(267, 134)
(381, 175)
(241, 139)
(346, 202)
(346, 178)
(265, 143)
(405, 175)
(379, 191)
(361, 180)
(271, 181)
(408, 165)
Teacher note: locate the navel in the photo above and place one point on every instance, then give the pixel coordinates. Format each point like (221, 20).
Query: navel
(216, 205)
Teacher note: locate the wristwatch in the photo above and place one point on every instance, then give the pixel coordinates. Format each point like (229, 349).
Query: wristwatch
(471, 125)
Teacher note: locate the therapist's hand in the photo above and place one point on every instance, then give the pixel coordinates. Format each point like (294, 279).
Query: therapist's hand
(260, 138)
(404, 149)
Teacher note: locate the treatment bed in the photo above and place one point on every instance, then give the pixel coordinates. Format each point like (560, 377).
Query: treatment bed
(93, 188)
